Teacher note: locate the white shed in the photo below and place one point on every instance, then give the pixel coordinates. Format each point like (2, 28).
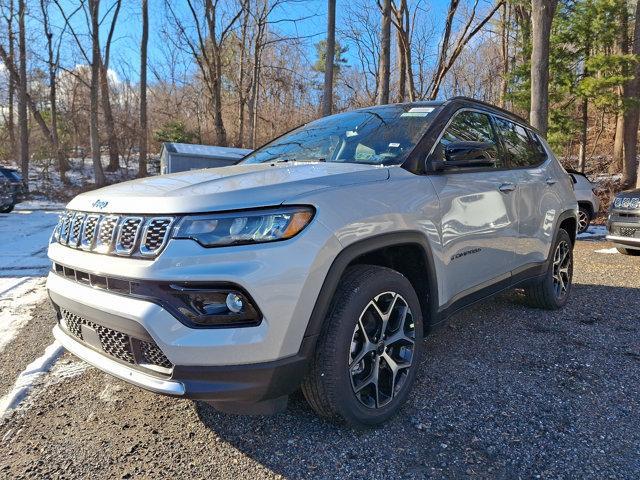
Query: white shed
(180, 157)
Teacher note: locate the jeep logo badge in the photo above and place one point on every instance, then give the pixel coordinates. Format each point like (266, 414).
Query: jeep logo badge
(100, 204)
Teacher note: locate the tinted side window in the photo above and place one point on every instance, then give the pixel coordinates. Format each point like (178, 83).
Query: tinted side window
(471, 127)
(521, 151)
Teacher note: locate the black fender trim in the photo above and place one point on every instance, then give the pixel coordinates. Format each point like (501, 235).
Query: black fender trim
(362, 247)
(573, 214)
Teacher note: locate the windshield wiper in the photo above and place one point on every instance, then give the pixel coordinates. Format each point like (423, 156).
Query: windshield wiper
(303, 160)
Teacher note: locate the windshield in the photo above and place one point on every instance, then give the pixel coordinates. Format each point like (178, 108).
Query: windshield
(376, 136)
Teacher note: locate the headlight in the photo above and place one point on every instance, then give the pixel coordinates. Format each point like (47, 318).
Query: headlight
(237, 228)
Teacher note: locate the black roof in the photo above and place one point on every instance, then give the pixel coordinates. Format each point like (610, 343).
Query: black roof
(462, 102)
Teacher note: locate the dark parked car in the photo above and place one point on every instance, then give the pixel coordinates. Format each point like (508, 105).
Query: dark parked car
(12, 186)
(6, 196)
(624, 222)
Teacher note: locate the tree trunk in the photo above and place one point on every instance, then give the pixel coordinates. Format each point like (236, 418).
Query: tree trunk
(618, 145)
(242, 99)
(14, 77)
(582, 157)
(327, 97)
(144, 129)
(504, 50)
(96, 60)
(623, 48)
(109, 124)
(402, 69)
(584, 109)
(220, 135)
(255, 82)
(384, 69)
(105, 96)
(632, 114)
(23, 120)
(63, 165)
(12, 85)
(542, 12)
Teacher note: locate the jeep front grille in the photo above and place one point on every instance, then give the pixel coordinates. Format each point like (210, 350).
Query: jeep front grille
(118, 344)
(135, 236)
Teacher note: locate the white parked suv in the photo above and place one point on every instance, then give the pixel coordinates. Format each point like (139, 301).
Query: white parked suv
(588, 202)
(321, 261)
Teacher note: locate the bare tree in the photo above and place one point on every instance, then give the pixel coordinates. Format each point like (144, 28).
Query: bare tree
(144, 128)
(384, 64)
(632, 114)
(105, 97)
(505, 22)
(206, 49)
(260, 19)
(94, 11)
(542, 12)
(623, 47)
(9, 15)
(23, 120)
(53, 60)
(448, 56)
(242, 90)
(327, 97)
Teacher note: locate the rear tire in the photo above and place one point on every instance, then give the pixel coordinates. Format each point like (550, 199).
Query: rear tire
(8, 208)
(628, 251)
(552, 291)
(584, 218)
(364, 366)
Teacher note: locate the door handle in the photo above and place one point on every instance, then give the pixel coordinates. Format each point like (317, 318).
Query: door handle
(507, 187)
(551, 181)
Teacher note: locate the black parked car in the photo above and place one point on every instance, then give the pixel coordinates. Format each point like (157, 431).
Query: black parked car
(624, 222)
(11, 187)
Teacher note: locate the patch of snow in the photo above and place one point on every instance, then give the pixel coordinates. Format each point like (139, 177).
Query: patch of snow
(19, 298)
(39, 204)
(24, 239)
(593, 232)
(29, 377)
(607, 250)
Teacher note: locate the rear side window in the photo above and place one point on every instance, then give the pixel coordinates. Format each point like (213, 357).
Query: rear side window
(471, 127)
(521, 150)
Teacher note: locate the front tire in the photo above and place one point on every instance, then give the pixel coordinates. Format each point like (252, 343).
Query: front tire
(551, 292)
(369, 350)
(628, 251)
(8, 208)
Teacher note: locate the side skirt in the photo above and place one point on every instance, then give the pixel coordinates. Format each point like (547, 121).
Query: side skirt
(518, 277)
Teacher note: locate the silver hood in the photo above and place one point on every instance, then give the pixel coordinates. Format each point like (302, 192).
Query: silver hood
(224, 188)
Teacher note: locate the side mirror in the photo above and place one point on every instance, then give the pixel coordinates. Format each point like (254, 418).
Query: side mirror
(465, 155)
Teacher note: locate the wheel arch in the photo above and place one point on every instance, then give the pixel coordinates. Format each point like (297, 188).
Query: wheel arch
(383, 250)
(568, 220)
(588, 206)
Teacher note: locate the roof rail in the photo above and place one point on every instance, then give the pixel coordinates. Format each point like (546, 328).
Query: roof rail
(492, 107)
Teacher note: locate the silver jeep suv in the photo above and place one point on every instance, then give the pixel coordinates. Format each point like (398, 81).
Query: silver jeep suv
(320, 261)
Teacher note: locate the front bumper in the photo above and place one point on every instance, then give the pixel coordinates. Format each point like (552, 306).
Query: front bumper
(222, 384)
(624, 228)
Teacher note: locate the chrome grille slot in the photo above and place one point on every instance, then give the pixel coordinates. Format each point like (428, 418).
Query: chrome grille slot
(106, 233)
(128, 233)
(155, 234)
(89, 231)
(135, 236)
(65, 226)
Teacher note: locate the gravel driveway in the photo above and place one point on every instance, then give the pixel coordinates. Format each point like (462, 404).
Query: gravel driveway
(505, 391)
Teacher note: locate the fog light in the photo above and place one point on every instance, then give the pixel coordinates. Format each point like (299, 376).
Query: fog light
(234, 303)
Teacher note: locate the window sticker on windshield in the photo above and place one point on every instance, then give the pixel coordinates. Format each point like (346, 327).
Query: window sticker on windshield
(394, 145)
(417, 112)
(351, 133)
